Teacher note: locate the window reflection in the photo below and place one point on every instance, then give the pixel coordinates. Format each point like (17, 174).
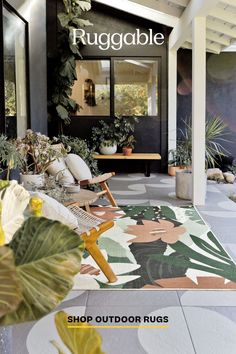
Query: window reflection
(136, 87)
(92, 89)
(14, 30)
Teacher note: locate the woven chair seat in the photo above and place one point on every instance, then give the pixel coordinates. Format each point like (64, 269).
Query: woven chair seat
(86, 221)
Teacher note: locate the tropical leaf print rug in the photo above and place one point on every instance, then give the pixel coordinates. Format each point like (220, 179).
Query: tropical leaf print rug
(158, 248)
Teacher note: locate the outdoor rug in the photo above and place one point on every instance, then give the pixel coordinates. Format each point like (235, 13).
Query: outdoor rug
(158, 247)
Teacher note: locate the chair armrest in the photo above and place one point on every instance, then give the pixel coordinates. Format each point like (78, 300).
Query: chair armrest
(97, 179)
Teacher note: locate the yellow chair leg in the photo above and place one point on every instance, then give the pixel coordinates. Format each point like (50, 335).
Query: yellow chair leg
(92, 247)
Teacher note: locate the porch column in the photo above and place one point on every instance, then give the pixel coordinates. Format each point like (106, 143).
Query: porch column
(198, 109)
(172, 99)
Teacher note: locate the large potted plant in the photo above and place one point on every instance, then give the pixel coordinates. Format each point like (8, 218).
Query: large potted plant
(37, 154)
(215, 132)
(104, 138)
(107, 136)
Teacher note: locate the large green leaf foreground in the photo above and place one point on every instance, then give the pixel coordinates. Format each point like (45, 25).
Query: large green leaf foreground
(47, 256)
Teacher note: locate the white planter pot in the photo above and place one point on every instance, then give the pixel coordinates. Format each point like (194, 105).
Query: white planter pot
(108, 150)
(184, 184)
(32, 182)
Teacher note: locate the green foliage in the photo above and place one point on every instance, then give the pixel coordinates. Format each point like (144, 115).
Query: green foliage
(10, 297)
(10, 98)
(46, 258)
(64, 63)
(131, 100)
(129, 142)
(9, 155)
(116, 131)
(80, 147)
(214, 134)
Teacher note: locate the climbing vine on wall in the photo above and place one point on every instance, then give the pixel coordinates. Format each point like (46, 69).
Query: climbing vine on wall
(64, 62)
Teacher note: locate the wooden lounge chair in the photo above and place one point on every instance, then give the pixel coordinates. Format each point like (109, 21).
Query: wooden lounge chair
(90, 228)
(102, 181)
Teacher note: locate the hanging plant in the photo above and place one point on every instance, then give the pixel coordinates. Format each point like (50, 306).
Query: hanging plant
(64, 74)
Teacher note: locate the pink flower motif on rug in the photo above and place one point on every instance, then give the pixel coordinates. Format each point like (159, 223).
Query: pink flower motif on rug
(152, 231)
(107, 213)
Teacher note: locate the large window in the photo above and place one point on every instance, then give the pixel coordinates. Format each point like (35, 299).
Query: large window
(14, 94)
(92, 89)
(124, 86)
(136, 87)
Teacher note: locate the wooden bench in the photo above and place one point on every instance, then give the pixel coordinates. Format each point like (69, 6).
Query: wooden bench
(147, 157)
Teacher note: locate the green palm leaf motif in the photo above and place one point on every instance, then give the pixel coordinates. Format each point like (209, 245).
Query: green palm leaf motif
(47, 256)
(78, 341)
(10, 292)
(224, 267)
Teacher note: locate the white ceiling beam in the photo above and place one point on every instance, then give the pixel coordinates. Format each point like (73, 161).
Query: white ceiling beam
(183, 3)
(217, 26)
(212, 36)
(215, 47)
(187, 45)
(141, 11)
(160, 5)
(229, 2)
(209, 47)
(224, 15)
(196, 8)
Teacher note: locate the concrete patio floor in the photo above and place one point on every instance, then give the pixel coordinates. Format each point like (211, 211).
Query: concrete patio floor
(201, 322)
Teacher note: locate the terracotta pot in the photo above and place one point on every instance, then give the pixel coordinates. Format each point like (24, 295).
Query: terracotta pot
(172, 170)
(127, 151)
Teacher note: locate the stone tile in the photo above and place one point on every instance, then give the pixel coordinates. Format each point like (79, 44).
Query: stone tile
(207, 298)
(132, 298)
(213, 329)
(140, 341)
(79, 298)
(132, 201)
(35, 337)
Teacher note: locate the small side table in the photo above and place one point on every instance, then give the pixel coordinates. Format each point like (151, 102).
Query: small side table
(83, 198)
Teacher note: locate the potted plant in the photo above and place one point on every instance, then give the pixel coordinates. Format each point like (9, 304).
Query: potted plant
(124, 128)
(128, 145)
(214, 134)
(107, 136)
(10, 160)
(104, 138)
(37, 154)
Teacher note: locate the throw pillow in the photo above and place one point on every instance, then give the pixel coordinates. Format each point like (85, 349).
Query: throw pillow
(78, 167)
(54, 210)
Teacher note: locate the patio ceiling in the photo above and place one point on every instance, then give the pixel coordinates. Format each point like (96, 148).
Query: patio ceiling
(178, 14)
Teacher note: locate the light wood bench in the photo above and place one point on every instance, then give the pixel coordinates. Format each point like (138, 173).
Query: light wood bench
(147, 157)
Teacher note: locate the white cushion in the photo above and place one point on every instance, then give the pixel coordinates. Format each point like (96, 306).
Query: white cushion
(54, 210)
(78, 167)
(59, 170)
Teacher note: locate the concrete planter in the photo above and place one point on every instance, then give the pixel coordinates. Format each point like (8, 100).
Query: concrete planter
(108, 150)
(31, 182)
(184, 184)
